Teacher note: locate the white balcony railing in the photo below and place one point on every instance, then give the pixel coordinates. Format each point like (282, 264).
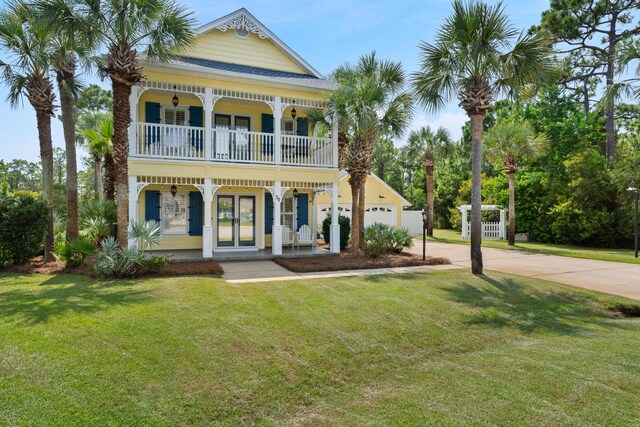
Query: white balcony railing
(235, 146)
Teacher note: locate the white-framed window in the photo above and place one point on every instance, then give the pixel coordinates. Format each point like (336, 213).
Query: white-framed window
(288, 212)
(173, 213)
(287, 127)
(174, 116)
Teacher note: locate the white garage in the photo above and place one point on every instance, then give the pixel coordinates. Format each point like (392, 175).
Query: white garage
(382, 213)
(382, 203)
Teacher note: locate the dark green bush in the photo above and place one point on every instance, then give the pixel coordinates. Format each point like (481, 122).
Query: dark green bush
(380, 239)
(345, 230)
(22, 227)
(74, 252)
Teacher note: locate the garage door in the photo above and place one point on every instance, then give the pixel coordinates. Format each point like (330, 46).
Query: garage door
(384, 214)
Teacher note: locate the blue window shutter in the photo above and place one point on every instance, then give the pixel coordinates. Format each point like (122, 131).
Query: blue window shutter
(196, 120)
(302, 210)
(195, 213)
(268, 213)
(267, 127)
(152, 205)
(152, 115)
(302, 127)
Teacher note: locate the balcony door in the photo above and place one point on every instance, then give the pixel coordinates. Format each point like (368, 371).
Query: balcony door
(231, 138)
(235, 221)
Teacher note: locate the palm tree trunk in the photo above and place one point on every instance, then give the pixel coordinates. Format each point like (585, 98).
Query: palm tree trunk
(46, 156)
(69, 129)
(511, 237)
(361, 212)
(99, 189)
(355, 218)
(429, 171)
(476, 193)
(109, 177)
(121, 122)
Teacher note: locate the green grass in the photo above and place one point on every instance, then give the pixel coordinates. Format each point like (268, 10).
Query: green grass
(438, 348)
(602, 254)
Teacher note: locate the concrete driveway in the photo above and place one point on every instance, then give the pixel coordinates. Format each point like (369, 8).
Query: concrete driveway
(611, 277)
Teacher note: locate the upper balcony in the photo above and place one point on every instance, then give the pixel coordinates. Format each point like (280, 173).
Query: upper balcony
(161, 141)
(230, 127)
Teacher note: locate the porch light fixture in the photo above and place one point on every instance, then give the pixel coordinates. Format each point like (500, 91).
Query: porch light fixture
(175, 99)
(295, 193)
(174, 190)
(294, 113)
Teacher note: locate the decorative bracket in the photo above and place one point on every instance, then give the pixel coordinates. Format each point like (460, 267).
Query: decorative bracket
(243, 22)
(277, 197)
(139, 188)
(214, 189)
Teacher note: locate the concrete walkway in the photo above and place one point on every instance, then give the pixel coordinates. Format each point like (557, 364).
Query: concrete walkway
(611, 277)
(269, 271)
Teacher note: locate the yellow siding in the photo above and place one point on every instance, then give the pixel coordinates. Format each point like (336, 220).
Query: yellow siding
(253, 51)
(252, 172)
(171, 76)
(373, 190)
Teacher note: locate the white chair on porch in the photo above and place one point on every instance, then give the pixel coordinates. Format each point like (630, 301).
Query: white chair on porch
(305, 237)
(287, 237)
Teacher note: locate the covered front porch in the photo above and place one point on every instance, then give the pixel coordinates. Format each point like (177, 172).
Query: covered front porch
(259, 255)
(229, 219)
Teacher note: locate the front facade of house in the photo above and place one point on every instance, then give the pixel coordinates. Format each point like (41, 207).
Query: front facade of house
(220, 149)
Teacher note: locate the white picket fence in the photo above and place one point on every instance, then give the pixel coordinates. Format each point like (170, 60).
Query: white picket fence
(490, 230)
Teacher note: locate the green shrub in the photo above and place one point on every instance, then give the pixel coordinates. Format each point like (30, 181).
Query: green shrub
(74, 252)
(380, 239)
(22, 227)
(113, 261)
(345, 230)
(97, 218)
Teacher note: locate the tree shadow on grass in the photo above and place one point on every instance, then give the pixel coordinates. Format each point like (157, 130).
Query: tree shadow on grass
(507, 303)
(61, 294)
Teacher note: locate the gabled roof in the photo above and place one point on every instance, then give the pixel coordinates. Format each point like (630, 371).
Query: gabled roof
(242, 19)
(344, 174)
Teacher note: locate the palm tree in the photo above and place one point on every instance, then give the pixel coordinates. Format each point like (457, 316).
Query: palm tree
(477, 55)
(512, 142)
(158, 28)
(27, 42)
(435, 144)
(369, 103)
(100, 147)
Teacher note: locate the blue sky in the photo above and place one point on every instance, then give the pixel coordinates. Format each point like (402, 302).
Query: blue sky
(326, 34)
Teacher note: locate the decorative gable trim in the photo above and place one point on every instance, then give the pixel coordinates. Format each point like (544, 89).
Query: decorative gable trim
(242, 19)
(243, 22)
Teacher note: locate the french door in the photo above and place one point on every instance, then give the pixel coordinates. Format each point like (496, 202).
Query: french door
(236, 221)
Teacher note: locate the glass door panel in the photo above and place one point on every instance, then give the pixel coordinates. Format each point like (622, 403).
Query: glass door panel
(247, 220)
(226, 221)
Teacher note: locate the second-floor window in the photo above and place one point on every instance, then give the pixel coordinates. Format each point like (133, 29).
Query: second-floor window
(175, 116)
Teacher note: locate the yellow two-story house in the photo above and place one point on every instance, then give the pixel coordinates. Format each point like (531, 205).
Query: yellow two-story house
(220, 149)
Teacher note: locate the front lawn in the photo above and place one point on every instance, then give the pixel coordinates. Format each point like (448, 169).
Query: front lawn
(601, 254)
(431, 348)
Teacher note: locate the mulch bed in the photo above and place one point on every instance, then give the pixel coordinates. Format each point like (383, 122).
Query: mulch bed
(185, 268)
(345, 261)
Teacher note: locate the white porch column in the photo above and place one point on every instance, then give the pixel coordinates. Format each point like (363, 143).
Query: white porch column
(207, 236)
(465, 224)
(133, 127)
(262, 216)
(334, 140)
(208, 126)
(133, 205)
(277, 130)
(503, 225)
(314, 220)
(276, 233)
(335, 225)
